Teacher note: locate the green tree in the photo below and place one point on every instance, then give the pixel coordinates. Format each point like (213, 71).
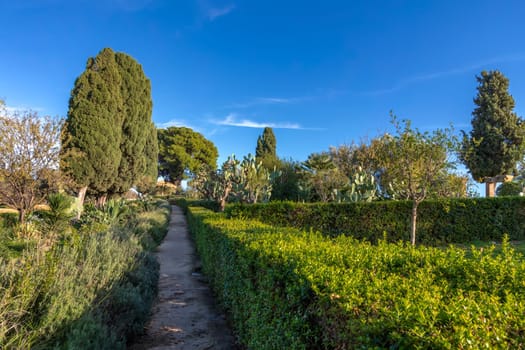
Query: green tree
(286, 181)
(29, 148)
(414, 164)
(108, 125)
(182, 150)
(135, 93)
(496, 142)
(323, 177)
(356, 158)
(266, 150)
(92, 136)
(151, 153)
(509, 189)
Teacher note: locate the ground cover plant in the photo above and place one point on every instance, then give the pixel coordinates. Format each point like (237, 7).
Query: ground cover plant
(92, 288)
(287, 288)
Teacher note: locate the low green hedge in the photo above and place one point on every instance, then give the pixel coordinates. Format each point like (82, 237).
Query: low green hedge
(438, 221)
(287, 289)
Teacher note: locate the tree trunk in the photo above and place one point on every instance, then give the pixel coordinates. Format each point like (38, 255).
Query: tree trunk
(415, 204)
(490, 189)
(81, 197)
(21, 216)
(222, 202)
(101, 201)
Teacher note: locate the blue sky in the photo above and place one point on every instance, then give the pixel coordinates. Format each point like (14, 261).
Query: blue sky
(320, 73)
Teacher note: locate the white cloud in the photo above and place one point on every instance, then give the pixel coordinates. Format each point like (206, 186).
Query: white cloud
(175, 122)
(269, 101)
(213, 13)
(231, 120)
(275, 100)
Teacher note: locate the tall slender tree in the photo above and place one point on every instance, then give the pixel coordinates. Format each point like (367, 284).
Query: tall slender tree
(108, 126)
(151, 153)
(135, 92)
(92, 135)
(497, 139)
(266, 150)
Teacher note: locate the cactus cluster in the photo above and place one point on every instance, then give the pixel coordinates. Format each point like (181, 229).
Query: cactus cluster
(362, 186)
(247, 182)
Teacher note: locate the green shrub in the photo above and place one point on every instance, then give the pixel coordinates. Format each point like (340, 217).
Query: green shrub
(287, 289)
(263, 294)
(439, 221)
(57, 218)
(184, 203)
(94, 290)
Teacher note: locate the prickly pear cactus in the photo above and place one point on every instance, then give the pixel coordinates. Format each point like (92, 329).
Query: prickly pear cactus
(363, 187)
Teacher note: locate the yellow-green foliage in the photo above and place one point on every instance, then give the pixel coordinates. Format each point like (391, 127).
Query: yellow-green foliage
(90, 291)
(289, 289)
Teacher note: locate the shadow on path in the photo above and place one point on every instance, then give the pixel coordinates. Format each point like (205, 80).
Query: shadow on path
(184, 316)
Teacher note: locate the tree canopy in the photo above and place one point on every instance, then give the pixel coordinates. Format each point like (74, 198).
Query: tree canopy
(29, 147)
(93, 132)
(108, 126)
(266, 150)
(137, 127)
(151, 153)
(182, 150)
(496, 142)
(414, 164)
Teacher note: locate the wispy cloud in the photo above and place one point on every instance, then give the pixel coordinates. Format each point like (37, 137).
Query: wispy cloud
(206, 13)
(177, 123)
(213, 13)
(232, 120)
(436, 75)
(269, 101)
(21, 109)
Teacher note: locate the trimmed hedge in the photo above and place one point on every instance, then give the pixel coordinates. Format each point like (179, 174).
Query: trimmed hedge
(287, 289)
(438, 222)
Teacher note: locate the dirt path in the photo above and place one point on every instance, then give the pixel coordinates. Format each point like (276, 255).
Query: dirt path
(184, 316)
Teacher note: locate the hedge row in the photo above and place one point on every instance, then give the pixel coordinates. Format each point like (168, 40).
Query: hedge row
(287, 289)
(438, 222)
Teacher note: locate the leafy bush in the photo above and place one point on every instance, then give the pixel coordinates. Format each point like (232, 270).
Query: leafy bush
(93, 290)
(439, 221)
(509, 189)
(57, 218)
(287, 289)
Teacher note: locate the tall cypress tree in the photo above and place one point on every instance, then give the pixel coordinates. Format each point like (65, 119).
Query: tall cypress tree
(266, 149)
(151, 153)
(93, 131)
(109, 122)
(496, 142)
(135, 92)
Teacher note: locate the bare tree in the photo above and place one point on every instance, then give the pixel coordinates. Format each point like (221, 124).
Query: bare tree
(29, 147)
